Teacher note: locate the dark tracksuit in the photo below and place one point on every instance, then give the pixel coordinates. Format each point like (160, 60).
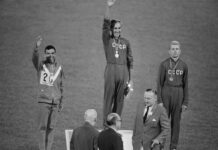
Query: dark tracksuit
(173, 93)
(117, 71)
(49, 97)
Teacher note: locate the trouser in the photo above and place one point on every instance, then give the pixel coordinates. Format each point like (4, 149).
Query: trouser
(115, 77)
(47, 118)
(172, 100)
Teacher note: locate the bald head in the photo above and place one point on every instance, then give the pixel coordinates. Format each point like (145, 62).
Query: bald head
(90, 116)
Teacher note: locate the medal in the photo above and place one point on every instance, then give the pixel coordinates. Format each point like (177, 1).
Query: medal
(173, 70)
(116, 54)
(171, 78)
(116, 46)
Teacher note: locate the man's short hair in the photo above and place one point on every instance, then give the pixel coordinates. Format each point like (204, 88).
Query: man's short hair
(112, 118)
(90, 114)
(151, 90)
(175, 43)
(50, 47)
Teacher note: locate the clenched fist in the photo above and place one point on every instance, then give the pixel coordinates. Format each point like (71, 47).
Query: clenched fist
(38, 41)
(110, 2)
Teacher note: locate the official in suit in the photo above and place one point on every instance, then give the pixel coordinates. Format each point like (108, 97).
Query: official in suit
(151, 124)
(85, 137)
(109, 139)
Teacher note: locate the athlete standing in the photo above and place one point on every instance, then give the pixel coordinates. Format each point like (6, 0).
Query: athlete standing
(50, 93)
(119, 59)
(173, 89)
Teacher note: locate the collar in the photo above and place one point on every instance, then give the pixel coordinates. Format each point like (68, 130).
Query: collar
(148, 106)
(87, 123)
(151, 108)
(112, 128)
(174, 60)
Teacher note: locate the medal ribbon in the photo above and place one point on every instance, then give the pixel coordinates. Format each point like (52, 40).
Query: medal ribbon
(173, 69)
(116, 47)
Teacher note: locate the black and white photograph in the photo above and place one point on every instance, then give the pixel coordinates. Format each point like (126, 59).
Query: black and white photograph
(122, 74)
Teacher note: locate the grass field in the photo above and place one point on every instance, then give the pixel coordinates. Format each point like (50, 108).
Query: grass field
(74, 27)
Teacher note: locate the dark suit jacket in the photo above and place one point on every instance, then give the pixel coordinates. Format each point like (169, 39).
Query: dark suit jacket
(157, 126)
(109, 139)
(84, 138)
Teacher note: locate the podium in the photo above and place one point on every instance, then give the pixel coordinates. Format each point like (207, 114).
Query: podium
(126, 137)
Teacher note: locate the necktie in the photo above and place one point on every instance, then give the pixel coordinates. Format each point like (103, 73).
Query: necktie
(146, 114)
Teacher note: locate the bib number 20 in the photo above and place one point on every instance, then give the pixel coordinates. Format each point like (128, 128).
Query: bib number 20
(45, 79)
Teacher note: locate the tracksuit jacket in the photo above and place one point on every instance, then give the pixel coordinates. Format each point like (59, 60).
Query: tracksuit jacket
(49, 91)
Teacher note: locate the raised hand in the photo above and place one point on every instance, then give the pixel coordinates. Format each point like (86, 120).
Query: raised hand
(110, 2)
(38, 41)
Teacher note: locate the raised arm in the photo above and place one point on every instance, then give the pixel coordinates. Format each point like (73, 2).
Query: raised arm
(110, 3)
(35, 56)
(107, 22)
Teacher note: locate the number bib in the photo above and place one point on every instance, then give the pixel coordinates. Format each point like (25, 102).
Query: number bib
(47, 78)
